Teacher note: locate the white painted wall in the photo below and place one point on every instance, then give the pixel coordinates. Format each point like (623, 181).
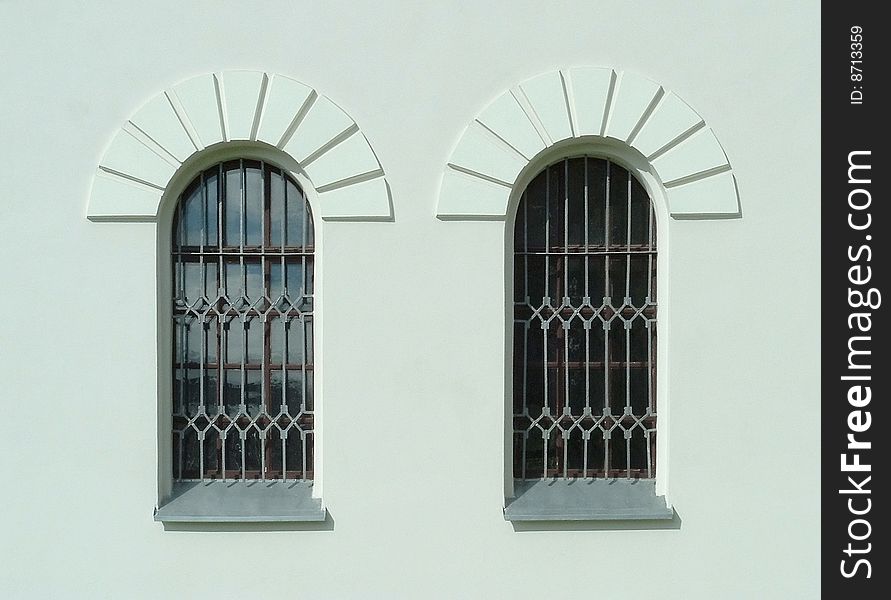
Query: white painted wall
(413, 308)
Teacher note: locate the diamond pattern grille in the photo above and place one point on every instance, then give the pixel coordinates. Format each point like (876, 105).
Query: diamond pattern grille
(584, 357)
(243, 326)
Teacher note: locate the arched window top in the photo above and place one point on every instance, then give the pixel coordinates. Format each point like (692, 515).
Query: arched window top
(249, 108)
(242, 309)
(584, 204)
(243, 205)
(592, 105)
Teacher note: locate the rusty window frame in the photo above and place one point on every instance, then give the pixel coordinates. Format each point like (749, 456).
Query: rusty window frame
(587, 211)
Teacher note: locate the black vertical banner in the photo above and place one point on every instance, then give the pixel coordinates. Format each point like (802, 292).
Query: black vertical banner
(856, 373)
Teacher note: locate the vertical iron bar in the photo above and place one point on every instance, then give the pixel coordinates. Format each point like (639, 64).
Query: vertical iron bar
(565, 207)
(266, 372)
(303, 364)
(523, 465)
(287, 322)
(628, 456)
(304, 293)
(587, 294)
(303, 442)
(649, 456)
(607, 295)
(202, 269)
(649, 366)
(651, 299)
(242, 176)
(243, 438)
(178, 444)
(262, 435)
(528, 323)
(200, 436)
(628, 324)
(585, 436)
(606, 368)
(525, 407)
(563, 271)
(565, 436)
(525, 410)
(264, 278)
(218, 304)
(547, 276)
(545, 438)
(284, 438)
(242, 409)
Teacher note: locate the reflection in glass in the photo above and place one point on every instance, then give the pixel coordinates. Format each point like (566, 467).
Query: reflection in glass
(232, 391)
(555, 182)
(252, 453)
(190, 454)
(618, 205)
(212, 458)
(294, 390)
(211, 185)
(295, 454)
(274, 444)
(254, 329)
(254, 281)
(276, 278)
(233, 454)
(296, 341)
(276, 210)
(296, 216)
(253, 202)
(233, 334)
(193, 217)
(308, 405)
(193, 276)
(575, 197)
(294, 278)
(232, 208)
(234, 280)
(595, 175)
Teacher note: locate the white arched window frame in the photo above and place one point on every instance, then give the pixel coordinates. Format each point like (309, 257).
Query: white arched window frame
(242, 251)
(163, 147)
(217, 499)
(669, 149)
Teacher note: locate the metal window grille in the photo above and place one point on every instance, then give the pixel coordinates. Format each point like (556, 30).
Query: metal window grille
(242, 258)
(584, 356)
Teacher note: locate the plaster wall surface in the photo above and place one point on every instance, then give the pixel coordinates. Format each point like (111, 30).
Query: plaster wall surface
(414, 322)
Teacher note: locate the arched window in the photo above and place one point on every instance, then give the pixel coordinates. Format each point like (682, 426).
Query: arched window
(242, 306)
(584, 354)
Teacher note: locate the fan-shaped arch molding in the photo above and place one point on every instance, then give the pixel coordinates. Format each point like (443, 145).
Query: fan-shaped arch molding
(239, 106)
(588, 102)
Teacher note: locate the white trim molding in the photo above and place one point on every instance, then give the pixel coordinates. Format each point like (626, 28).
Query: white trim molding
(588, 103)
(253, 106)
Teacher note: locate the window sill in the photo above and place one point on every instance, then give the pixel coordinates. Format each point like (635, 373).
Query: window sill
(241, 502)
(586, 500)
